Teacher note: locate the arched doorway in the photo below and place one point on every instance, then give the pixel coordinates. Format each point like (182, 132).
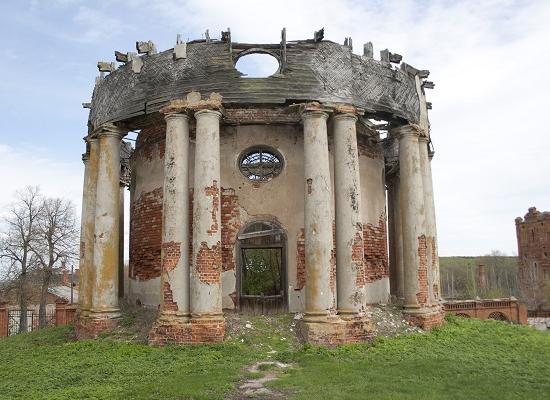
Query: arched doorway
(261, 275)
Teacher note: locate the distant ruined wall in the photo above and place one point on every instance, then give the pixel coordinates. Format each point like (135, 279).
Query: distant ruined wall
(533, 236)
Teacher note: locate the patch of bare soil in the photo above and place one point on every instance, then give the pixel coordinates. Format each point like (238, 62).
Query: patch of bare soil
(135, 324)
(254, 387)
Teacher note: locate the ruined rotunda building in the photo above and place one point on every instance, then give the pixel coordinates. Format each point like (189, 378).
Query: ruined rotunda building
(307, 191)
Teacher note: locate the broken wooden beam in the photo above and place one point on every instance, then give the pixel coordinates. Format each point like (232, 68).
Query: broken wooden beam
(105, 66)
(146, 48)
(428, 85)
(180, 49)
(121, 57)
(319, 35)
(368, 50)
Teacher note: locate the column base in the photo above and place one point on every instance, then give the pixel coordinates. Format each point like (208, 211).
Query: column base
(334, 331)
(425, 318)
(91, 325)
(177, 330)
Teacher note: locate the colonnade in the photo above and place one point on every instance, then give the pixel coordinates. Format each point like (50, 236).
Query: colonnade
(326, 294)
(100, 231)
(190, 298)
(415, 267)
(412, 229)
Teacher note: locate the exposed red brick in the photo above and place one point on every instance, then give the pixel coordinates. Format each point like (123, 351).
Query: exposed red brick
(171, 255)
(207, 331)
(146, 235)
(197, 331)
(214, 192)
(533, 237)
(256, 115)
(422, 295)
(332, 275)
(376, 250)
(231, 225)
(358, 256)
(169, 303)
(426, 321)
(90, 328)
(334, 333)
(148, 140)
(208, 264)
(191, 199)
(300, 260)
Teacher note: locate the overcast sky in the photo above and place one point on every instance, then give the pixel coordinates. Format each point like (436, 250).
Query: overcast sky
(488, 59)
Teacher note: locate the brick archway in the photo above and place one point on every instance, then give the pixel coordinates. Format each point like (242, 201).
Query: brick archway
(498, 316)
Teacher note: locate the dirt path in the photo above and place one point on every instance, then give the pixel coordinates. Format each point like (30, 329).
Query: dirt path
(254, 388)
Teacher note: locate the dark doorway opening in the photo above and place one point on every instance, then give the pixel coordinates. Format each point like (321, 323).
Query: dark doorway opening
(262, 269)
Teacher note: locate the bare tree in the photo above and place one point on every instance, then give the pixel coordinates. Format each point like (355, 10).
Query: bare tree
(16, 245)
(56, 240)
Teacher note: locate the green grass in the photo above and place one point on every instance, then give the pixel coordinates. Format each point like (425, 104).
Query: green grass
(466, 359)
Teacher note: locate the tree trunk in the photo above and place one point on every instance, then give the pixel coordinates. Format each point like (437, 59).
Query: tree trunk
(43, 297)
(23, 325)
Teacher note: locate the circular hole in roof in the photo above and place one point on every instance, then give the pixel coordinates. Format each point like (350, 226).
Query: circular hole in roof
(257, 65)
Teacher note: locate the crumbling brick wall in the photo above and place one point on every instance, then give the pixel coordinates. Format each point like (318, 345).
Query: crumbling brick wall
(422, 295)
(146, 235)
(231, 225)
(533, 237)
(376, 250)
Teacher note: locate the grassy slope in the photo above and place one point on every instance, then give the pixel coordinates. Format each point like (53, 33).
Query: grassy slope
(466, 359)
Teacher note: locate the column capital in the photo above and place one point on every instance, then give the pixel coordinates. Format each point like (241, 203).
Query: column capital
(346, 111)
(208, 111)
(109, 129)
(423, 137)
(345, 116)
(313, 109)
(408, 130)
(193, 102)
(176, 115)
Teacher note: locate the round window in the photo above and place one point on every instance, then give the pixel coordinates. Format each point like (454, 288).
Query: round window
(261, 164)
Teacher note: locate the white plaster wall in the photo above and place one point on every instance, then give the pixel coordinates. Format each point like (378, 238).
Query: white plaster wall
(282, 197)
(145, 292)
(373, 205)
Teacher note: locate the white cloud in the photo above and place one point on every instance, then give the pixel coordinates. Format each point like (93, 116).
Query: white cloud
(487, 60)
(24, 167)
(96, 25)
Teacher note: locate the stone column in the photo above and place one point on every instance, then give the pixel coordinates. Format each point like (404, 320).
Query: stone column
(431, 235)
(396, 240)
(205, 288)
(430, 224)
(400, 269)
(107, 224)
(318, 217)
(175, 220)
(121, 242)
(350, 273)
(86, 273)
(412, 216)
